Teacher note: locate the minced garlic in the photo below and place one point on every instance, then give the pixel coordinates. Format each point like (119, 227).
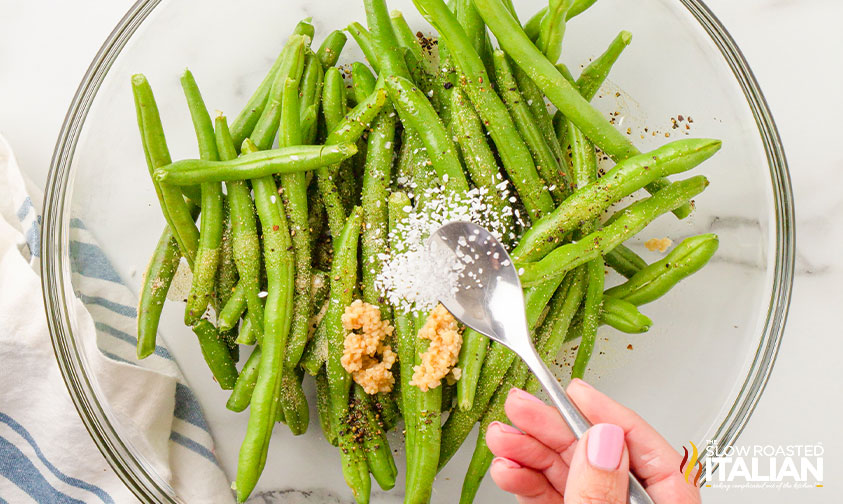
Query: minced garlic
(441, 356)
(360, 349)
(660, 244)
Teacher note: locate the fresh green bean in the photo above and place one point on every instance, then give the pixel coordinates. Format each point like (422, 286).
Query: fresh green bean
(175, 209)
(544, 122)
(329, 52)
(363, 81)
(344, 278)
(244, 234)
(156, 282)
(498, 361)
(294, 195)
(475, 30)
(516, 158)
(311, 98)
(407, 38)
(364, 39)
(563, 307)
(280, 271)
(210, 234)
(226, 281)
(245, 122)
(316, 352)
(390, 53)
(624, 316)
(593, 75)
(305, 27)
(333, 109)
(470, 362)
(294, 402)
(215, 351)
(246, 335)
(592, 305)
(292, 159)
(231, 312)
(333, 98)
(241, 395)
(323, 408)
(627, 223)
(625, 261)
(653, 281)
(371, 436)
(548, 165)
(625, 178)
(417, 113)
(516, 44)
(533, 25)
(553, 29)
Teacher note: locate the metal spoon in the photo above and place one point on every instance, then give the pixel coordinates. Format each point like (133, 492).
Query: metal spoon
(488, 298)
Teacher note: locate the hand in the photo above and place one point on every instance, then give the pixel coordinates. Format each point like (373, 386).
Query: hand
(541, 461)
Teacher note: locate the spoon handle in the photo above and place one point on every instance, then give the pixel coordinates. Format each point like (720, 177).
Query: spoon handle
(574, 417)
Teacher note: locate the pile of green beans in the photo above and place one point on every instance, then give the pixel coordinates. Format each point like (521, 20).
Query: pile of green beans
(286, 217)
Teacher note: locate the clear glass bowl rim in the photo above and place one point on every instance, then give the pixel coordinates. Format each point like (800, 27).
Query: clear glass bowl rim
(144, 482)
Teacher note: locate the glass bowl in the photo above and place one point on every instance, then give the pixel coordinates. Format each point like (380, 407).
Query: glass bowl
(696, 375)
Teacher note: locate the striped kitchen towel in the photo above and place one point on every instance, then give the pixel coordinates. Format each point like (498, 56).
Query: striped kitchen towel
(46, 454)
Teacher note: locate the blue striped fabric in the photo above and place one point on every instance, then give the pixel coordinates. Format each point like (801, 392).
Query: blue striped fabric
(111, 304)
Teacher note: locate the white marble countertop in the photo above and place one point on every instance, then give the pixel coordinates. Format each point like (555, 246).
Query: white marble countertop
(792, 45)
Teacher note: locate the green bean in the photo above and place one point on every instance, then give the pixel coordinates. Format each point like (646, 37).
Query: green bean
(407, 38)
(593, 75)
(332, 46)
(624, 316)
(175, 209)
(305, 27)
(210, 235)
(564, 306)
(245, 122)
(323, 408)
(226, 281)
(625, 261)
(279, 270)
(363, 81)
(344, 278)
(316, 353)
(294, 402)
(292, 65)
(482, 457)
(555, 86)
(427, 438)
(498, 361)
(292, 159)
(246, 335)
(553, 29)
(241, 395)
(417, 113)
(548, 165)
(592, 305)
(311, 98)
(390, 54)
(472, 354)
(625, 178)
(478, 156)
(364, 39)
(372, 436)
(533, 25)
(156, 282)
(215, 351)
(653, 281)
(627, 223)
(230, 314)
(333, 98)
(333, 109)
(516, 158)
(244, 234)
(475, 30)
(294, 196)
(544, 122)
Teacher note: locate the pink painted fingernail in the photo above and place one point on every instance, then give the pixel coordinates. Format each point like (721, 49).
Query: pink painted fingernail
(520, 394)
(505, 462)
(582, 382)
(605, 446)
(505, 428)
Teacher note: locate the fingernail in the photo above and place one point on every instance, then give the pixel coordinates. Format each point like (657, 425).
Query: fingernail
(505, 428)
(582, 382)
(605, 446)
(505, 462)
(520, 394)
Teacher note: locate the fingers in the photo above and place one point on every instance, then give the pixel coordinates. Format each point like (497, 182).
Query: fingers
(530, 486)
(599, 469)
(508, 442)
(651, 457)
(539, 420)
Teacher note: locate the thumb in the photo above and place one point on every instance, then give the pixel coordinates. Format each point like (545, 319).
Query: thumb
(599, 468)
